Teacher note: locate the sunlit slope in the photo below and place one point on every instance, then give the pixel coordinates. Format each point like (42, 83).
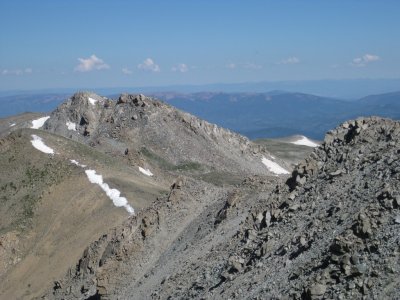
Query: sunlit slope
(50, 210)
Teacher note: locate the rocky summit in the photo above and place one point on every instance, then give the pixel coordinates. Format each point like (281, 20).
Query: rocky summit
(328, 231)
(154, 133)
(131, 198)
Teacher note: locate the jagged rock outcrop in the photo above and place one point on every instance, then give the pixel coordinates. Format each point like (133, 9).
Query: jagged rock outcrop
(330, 231)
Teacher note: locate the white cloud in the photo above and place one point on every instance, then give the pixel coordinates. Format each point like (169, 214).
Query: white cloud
(364, 60)
(183, 68)
(371, 57)
(126, 71)
(231, 66)
(17, 72)
(289, 61)
(90, 64)
(149, 65)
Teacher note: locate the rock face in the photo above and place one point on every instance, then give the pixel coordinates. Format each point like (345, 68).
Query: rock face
(82, 112)
(151, 132)
(330, 231)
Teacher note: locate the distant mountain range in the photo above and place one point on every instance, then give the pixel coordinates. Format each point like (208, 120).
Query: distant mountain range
(255, 115)
(278, 114)
(12, 104)
(347, 89)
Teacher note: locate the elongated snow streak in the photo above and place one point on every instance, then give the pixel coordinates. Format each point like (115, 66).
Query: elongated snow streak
(12, 125)
(38, 123)
(71, 125)
(77, 163)
(145, 171)
(304, 141)
(113, 194)
(37, 142)
(274, 167)
(92, 101)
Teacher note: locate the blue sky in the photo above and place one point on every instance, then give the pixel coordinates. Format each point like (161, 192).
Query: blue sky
(57, 44)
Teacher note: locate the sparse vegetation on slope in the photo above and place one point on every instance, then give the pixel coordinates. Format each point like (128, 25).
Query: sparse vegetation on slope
(24, 177)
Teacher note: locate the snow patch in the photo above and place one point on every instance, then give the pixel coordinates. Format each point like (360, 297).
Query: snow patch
(113, 194)
(71, 125)
(37, 142)
(145, 171)
(304, 141)
(38, 123)
(77, 163)
(12, 125)
(274, 167)
(92, 101)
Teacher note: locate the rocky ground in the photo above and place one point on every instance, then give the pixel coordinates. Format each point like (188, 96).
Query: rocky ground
(213, 222)
(328, 231)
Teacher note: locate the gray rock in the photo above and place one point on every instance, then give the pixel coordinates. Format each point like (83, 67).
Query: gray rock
(336, 173)
(397, 219)
(317, 290)
(267, 218)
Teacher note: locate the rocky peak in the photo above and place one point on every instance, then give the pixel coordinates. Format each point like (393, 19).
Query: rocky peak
(137, 100)
(86, 98)
(135, 122)
(348, 147)
(79, 116)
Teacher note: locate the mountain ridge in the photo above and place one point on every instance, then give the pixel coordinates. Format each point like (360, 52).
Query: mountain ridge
(269, 239)
(212, 218)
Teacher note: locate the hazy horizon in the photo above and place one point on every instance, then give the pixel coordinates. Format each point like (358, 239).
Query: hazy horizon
(341, 89)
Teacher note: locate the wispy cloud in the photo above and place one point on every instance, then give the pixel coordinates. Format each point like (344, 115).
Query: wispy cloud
(183, 68)
(126, 71)
(231, 66)
(16, 72)
(289, 61)
(90, 64)
(149, 65)
(364, 60)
